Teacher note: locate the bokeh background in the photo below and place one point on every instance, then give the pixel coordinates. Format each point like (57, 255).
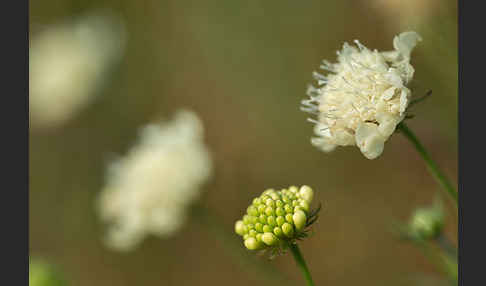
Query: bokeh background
(243, 67)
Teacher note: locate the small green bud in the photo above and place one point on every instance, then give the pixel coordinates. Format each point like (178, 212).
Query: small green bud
(261, 208)
(288, 209)
(246, 236)
(279, 203)
(259, 237)
(240, 228)
(300, 220)
(288, 218)
(252, 210)
(269, 238)
(275, 196)
(306, 193)
(297, 208)
(288, 230)
(252, 233)
(427, 223)
(246, 219)
(293, 189)
(253, 219)
(278, 231)
(285, 199)
(305, 205)
(262, 218)
(252, 244)
(256, 201)
(269, 211)
(250, 226)
(259, 227)
(280, 220)
(271, 221)
(264, 198)
(267, 228)
(279, 211)
(295, 203)
(270, 203)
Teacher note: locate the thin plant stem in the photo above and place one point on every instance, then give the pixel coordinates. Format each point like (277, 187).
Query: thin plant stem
(431, 165)
(299, 260)
(229, 240)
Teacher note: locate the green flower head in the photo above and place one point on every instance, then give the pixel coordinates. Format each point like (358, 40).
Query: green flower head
(276, 218)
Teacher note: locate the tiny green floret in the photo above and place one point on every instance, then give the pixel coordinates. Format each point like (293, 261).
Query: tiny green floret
(276, 219)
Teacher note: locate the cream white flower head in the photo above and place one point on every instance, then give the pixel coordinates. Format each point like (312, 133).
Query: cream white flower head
(67, 65)
(363, 97)
(149, 190)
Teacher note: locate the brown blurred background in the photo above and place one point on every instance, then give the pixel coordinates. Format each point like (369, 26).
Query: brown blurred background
(243, 67)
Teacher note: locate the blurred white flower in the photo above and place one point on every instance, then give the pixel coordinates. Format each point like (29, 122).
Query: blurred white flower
(363, 97)
(68, 63)
(149, 190)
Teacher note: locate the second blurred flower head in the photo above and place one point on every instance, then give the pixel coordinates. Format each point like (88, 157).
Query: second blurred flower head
(149, 190)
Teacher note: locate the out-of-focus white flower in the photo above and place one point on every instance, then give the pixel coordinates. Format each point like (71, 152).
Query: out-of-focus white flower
(68, 63)
(363, 97)
(149, 190)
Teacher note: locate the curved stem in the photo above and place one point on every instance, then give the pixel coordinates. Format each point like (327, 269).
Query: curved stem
(431, 165)
(299, 259)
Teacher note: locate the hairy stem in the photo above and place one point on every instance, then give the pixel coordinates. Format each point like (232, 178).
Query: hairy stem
(431, 165)
(299, 259)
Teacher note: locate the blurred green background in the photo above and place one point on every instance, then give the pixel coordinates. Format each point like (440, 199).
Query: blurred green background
(243, 67)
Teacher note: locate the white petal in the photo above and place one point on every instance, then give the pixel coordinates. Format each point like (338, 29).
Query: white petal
(369, 140)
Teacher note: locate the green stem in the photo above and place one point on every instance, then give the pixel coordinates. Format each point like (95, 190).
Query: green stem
(431, 165)
(299, 259)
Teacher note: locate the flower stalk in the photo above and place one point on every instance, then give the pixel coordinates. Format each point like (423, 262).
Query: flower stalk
(300, 261)
(431, 165)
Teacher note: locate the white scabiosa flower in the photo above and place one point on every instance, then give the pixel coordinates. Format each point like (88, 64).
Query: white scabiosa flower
(149, 190)
(67, 65)
(363, 97)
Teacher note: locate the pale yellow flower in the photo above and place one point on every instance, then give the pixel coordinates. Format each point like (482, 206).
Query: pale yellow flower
(363, 97)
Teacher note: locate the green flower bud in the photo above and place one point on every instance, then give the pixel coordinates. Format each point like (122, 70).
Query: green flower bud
(240, 228)
(271, 221)
(278, 231)
(288, 218)
(427, 223)
(304, 205)
(261, 208)
(300, 220)
(246, 219)
(288, 209)
(259, 227)
(262, 218)
(306, 193)
(280, 220)
(256, 201)
(269, 238)
(293, 189)
(252, 244)
(288, 230)
(270, 203)
(259, 236)
(275, 218)
(269, 211)
(252, 210)
(285, 199)
(275, 196)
